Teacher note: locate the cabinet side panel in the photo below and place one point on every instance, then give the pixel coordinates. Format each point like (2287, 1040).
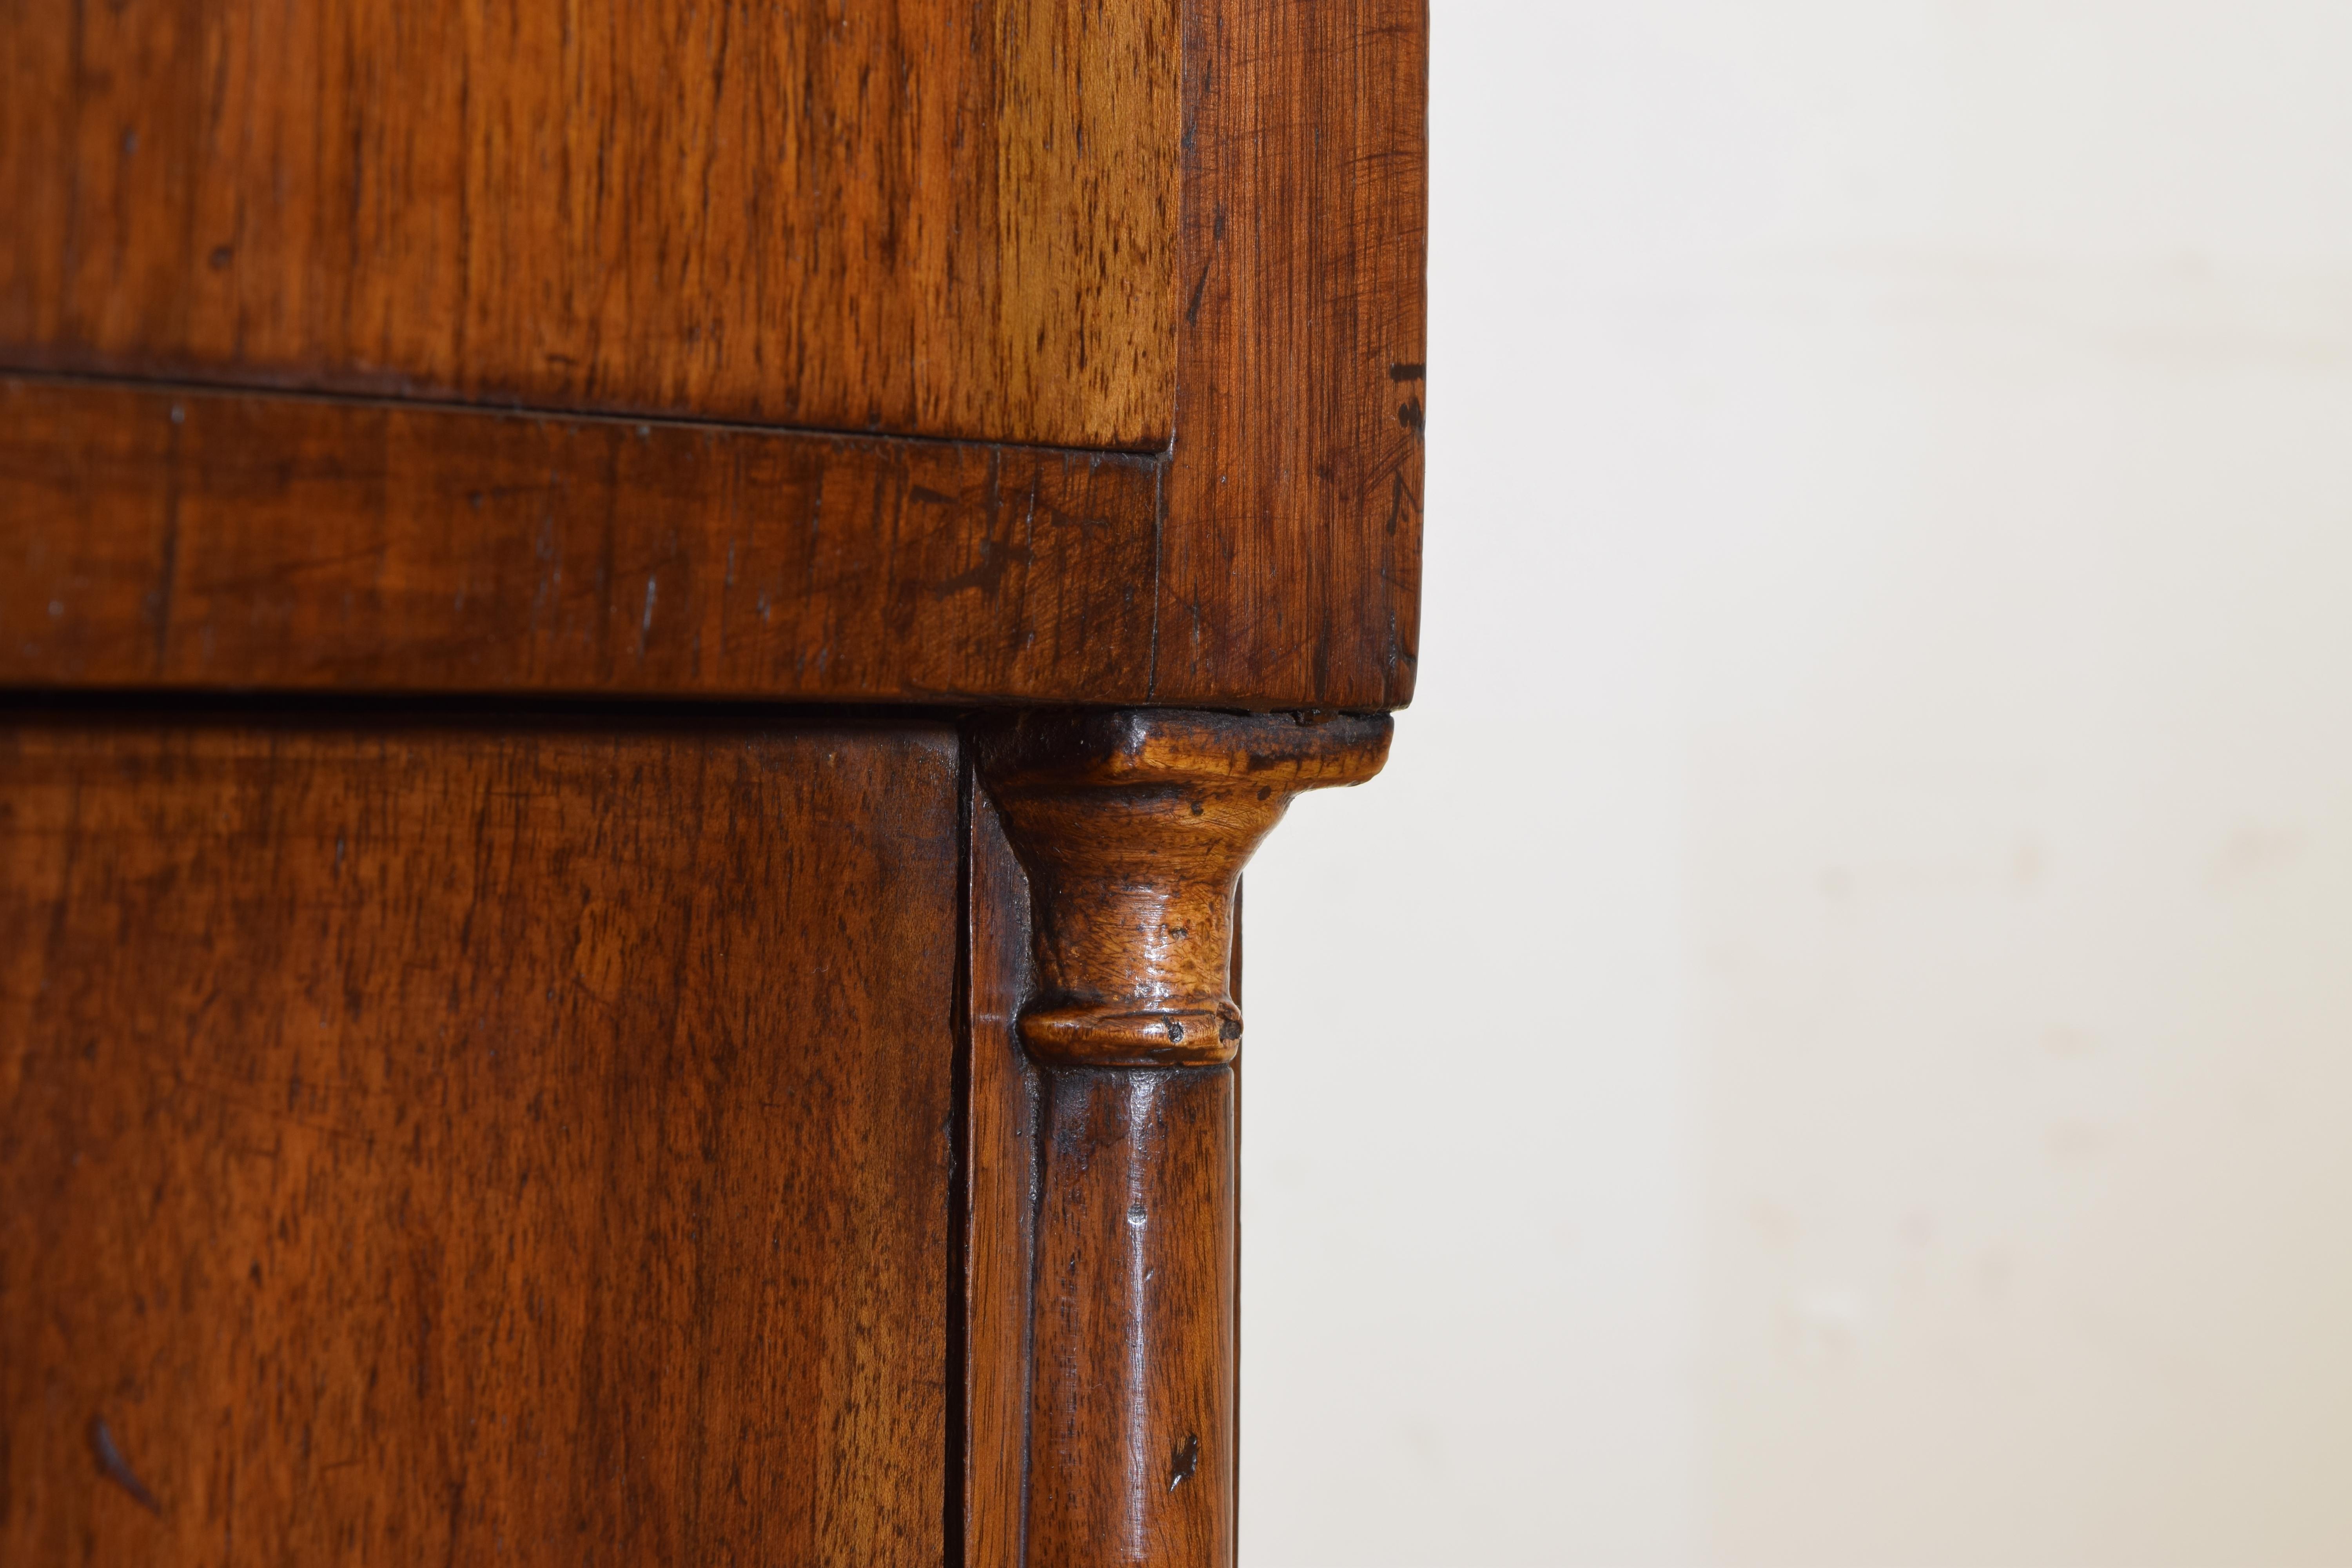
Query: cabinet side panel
(434, 1143)
(1291, 574)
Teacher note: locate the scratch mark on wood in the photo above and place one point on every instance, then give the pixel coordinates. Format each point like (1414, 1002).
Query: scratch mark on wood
(111, 1463)
(996, 560)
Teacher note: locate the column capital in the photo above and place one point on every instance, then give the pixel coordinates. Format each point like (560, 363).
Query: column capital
(1133, 825)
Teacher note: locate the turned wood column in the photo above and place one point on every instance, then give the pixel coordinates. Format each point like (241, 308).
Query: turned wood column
(1133, 827)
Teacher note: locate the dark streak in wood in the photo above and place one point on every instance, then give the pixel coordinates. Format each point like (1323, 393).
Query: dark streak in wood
(116, 1469)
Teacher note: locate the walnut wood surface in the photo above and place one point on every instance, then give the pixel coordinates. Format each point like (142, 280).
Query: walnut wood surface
(1292, 562)
(161, 539)
(1002, 1191)
(905, 215)
(1245, 298)
(1131, 1445)
(426, 1142)
(1133, 827)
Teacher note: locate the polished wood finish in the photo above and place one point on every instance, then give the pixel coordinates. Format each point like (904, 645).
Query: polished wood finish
(630, 1131)
(1292, 562)
(1131, 1447)
(1261, 270)
(1133, 827)
(519, 1142)
(903, 215)
(1004, 1182)
(168, 539)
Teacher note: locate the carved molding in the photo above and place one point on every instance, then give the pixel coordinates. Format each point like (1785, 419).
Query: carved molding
(1133, 825)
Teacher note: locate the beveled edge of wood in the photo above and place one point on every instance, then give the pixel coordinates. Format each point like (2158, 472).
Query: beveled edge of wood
(1133, 826)
(1299, 751)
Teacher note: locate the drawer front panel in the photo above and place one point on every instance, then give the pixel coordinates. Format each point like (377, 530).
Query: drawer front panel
(901, 216)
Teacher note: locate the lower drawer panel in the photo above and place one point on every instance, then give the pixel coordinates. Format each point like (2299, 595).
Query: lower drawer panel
(426, 1140)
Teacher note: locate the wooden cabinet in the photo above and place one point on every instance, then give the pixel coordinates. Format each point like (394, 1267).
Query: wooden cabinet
(639, 648)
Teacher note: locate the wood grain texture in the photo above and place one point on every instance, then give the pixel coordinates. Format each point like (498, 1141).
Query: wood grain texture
(1264, 555)
(1003, 1186)
(1133, 827)
(434, 1143)
(1131, 1447)
(907, 215)
(161, 539)
(1292, 562)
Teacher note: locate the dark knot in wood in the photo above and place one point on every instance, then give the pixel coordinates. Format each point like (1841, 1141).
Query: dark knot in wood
(1133, 825)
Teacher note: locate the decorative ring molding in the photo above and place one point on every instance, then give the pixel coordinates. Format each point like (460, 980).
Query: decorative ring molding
(1133, 825)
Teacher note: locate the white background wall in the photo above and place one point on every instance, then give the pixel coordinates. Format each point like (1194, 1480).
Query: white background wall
(1832, 1043)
